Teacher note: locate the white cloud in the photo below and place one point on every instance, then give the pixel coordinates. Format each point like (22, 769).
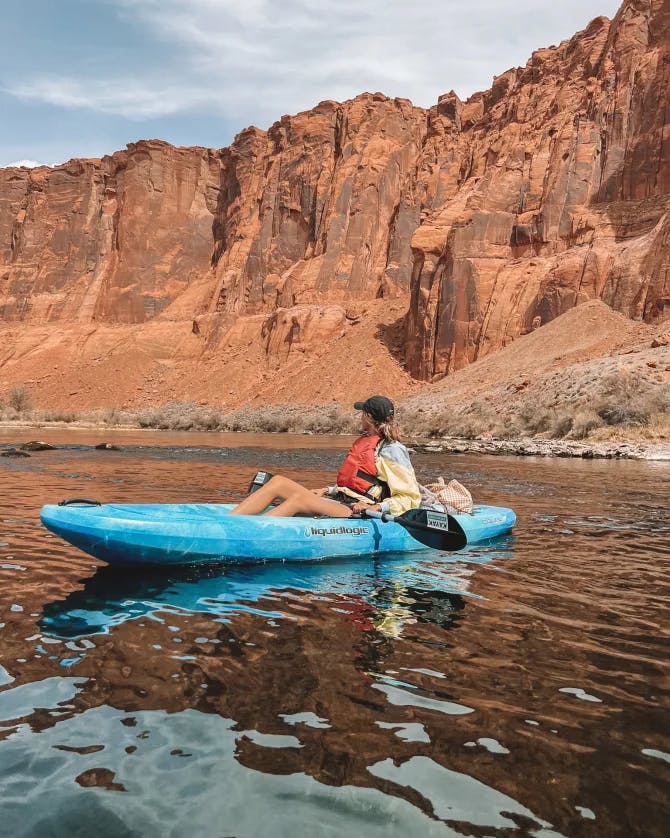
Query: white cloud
(125, 96)
(253, 60)
(26, 164)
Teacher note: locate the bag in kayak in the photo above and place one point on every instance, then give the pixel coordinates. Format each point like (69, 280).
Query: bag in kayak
(451, 497)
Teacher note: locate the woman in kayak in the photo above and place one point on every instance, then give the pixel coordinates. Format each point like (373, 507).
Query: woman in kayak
(377, 474)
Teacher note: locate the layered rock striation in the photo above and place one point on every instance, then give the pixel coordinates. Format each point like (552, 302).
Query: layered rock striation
(488, 218)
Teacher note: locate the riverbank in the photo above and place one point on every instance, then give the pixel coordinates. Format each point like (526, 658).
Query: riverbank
(591, 383)
(620, 448)
(527, 447)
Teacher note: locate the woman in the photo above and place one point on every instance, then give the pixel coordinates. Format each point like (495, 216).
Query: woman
(376, 474)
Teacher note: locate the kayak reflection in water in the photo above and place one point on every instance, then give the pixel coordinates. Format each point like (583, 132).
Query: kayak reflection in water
(376, 474)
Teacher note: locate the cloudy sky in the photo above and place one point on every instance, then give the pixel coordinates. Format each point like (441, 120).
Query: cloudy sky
(81, 78)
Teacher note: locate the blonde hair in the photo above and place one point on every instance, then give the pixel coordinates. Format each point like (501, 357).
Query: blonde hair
(388, 430)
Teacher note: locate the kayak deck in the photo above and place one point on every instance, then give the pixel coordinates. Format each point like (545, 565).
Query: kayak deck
(173, 534)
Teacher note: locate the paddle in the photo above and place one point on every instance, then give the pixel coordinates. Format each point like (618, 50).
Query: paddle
(433, 529)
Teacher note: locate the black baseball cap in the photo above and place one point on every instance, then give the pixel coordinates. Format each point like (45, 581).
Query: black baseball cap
(379, 407)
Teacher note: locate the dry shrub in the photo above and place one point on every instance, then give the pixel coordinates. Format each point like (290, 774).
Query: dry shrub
(622, 414)
(60, 415)
(627, 399)
(209, 420)
(20, 399)
(112, 416)
(329, 419)
(560, 425)
(292, 418)
(470, 422)
(186, 416)
(535, 419)
(181, 416)
(662, 398)
(429, 423)
(584, 422)
(507, 427)
(479, 418)
(618, 400)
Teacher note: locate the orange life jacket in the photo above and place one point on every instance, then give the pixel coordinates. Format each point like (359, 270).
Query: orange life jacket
(358, 471)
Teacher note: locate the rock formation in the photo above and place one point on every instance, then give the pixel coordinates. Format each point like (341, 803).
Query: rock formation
(112, 240)
(549, 189)
(484, 219)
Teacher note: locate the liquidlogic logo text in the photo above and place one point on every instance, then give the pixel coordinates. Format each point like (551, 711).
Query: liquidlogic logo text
(341, 530)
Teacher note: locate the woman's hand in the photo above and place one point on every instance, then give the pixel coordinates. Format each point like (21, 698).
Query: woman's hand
(320, 492)
(361, 505)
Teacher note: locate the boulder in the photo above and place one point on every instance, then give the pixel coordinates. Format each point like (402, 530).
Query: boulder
(37, 446)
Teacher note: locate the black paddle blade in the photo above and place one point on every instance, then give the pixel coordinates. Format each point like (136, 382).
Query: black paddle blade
(433, 529)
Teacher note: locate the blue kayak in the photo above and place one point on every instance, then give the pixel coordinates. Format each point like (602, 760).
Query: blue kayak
(189, 533)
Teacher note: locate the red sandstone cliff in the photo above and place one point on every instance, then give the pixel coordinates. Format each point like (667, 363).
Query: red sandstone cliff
(111, 240)
(550, 189)
(478, 221)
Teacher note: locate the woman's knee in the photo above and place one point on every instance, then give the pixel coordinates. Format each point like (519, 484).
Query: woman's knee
(276, 481)
(283, 486)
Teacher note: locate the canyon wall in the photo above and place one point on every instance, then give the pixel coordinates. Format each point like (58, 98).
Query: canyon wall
(111, 240)
(549, 189)
(485, 218)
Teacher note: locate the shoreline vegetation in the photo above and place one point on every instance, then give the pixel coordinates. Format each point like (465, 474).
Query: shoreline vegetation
(625, 420)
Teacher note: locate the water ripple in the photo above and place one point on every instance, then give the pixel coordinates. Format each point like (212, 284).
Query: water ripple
(516, 686)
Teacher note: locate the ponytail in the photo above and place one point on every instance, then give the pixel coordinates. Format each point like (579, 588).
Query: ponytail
(388, 430)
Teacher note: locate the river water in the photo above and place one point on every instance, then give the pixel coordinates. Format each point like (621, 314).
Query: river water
(515, 688)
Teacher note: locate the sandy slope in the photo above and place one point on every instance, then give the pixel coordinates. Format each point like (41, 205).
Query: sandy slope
(85, 367)
(91, 367)
(558, 366)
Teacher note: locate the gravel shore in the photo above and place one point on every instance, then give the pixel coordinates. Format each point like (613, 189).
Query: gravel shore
(547, 448)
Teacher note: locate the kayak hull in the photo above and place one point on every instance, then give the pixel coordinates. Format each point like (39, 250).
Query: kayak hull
(178, 534)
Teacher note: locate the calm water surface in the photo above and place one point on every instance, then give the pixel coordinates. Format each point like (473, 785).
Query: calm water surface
(516, 688)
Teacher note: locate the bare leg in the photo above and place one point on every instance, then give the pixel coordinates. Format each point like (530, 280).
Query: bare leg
(310, 504)
(296, 499)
